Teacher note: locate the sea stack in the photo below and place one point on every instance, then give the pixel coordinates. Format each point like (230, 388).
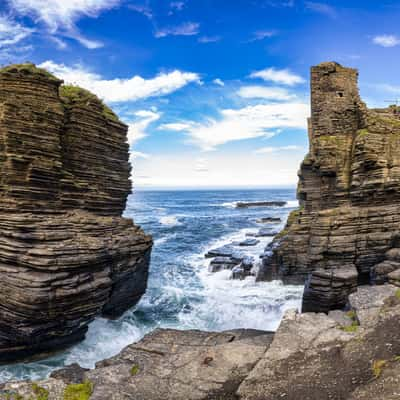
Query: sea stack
(346, 231)
(66, 253)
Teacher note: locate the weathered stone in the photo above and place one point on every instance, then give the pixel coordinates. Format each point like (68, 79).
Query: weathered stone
(329, 289)
(172, 365)
(269, 220)
(380, 272)
(394, 277)
(349, 185)
(66, 254)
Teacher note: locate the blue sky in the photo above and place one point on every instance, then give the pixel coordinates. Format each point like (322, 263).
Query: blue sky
(215, 92)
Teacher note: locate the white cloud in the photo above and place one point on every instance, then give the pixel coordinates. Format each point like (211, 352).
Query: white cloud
(271, 149)
(11, 32)
(137, 128)
(246, 123)
(177, 126)
(209, 39)
(386, 40)
(201, 165)
(185, 29)
(218, 82)
(263, 92)
(60, 15)
(117, 90)
(321, 8)
(282, 76)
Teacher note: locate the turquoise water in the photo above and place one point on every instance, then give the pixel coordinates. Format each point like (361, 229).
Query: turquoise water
(182, 293)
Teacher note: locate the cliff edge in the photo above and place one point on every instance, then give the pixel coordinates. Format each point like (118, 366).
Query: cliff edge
(349, 192)
(66, 254)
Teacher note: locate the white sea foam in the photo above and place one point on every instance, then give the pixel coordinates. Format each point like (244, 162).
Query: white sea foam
(164, 239)
(292, 204)
(170, 220)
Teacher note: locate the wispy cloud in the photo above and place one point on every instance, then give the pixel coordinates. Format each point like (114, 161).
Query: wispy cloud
(249, 122)
(175, 126)
(281, 76)
(277, 149)
(60, 16)
(321, 8)
(11, 32)
(143, 9)
(137, 127)
(264, 92)
(262, 34)
(386, 40)
(119, 90)
(177, 5)
(219, 82)
(209, 39)
(185, 29)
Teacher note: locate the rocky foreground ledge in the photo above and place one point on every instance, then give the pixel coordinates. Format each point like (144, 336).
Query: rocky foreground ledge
(66, 254)
(353, 355)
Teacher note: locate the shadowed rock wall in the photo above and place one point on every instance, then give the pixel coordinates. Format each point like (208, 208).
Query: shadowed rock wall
(66, 254)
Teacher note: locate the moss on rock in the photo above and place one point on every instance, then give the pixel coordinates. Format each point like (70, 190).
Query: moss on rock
(78, 391)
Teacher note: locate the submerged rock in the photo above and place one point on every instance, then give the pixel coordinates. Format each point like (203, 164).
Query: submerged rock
(269, 220)
(249, 242)
(66, 254)
(242, 204)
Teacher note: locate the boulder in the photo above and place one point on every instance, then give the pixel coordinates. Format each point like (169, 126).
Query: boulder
(394, 277)
(249, 242)
(220, 263)
(329, 289)
(380, 272)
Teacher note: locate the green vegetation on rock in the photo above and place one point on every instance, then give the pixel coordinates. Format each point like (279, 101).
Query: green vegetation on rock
(27, 68)
(134, 370)
(377, 367)
(79, 391)
(40, 392)
(71, 94)
(397, 294)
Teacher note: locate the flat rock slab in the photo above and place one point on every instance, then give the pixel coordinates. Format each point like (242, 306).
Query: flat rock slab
(170, 365)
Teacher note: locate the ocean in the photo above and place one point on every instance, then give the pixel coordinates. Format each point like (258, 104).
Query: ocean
(181, 292)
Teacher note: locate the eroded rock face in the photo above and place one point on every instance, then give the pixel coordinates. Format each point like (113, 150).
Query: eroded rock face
(340, 356)
(349, 184)
(66, 254)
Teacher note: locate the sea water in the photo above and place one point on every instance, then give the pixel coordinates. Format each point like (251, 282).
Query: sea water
(181, 292)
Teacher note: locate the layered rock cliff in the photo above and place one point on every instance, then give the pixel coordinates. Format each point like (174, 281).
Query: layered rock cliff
(66, 254)
(349, 194)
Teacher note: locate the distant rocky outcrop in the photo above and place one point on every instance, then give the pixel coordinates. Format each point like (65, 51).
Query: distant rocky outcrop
(349, 194)
(340, 356)
(66, 254)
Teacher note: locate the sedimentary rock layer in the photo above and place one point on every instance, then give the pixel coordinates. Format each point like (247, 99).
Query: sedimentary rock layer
(349, 185)
(341, 356)
(66, 254)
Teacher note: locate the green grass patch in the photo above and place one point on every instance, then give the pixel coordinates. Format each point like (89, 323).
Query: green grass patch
(377, 367)
(71, 95)
(134, 370)
(27, 68)
(40, 392)
(79, 391)
(397, 294)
